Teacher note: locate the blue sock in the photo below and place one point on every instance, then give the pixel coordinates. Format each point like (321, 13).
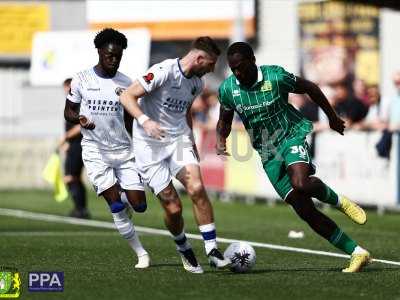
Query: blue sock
(181, 241)
(209, 236)
(117, 206)
(140, 207)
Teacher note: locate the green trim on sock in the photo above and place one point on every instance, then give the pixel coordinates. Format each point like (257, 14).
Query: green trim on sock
(331, 197)
(342, 241)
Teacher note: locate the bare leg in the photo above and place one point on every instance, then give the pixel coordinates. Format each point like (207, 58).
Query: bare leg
(173, 209)
(190, 177)
(137, 199)
(312, 186)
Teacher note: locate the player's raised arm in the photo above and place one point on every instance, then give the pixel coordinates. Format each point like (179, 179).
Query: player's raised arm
(224, 126)
(129, 100)
(304, 86)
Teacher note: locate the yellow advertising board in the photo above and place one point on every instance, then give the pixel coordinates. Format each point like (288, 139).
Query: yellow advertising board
(240, 175)
(18, 23)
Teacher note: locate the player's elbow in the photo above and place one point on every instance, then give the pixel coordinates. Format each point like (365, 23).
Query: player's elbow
(126, 97)
(123, 98)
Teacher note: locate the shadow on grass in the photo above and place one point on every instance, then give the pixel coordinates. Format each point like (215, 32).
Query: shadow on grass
(331, 270)
(165, 265)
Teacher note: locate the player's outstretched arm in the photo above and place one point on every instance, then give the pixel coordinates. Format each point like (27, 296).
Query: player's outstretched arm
(304, 86)
(224, 126)
(129, 100)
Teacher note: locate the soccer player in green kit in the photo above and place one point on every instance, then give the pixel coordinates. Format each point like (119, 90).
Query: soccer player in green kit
(259, 94)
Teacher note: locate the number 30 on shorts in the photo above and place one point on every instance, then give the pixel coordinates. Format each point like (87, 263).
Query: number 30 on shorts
(299, 149)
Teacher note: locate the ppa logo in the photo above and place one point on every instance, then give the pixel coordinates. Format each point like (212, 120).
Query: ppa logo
(46, 282)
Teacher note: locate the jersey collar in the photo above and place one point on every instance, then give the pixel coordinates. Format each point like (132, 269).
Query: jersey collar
(259, 78)
(180, 69)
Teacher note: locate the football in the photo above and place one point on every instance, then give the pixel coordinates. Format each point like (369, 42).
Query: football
(242, 256)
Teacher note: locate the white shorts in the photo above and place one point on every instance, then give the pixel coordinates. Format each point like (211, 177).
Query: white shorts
(106, 168)
(159, 162)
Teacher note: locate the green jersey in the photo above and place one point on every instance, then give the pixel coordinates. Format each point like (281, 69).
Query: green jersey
(264, 109)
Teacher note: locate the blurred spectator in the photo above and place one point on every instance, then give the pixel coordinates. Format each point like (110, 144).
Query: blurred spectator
(213, 110)
(373, 120)
(360, 91)
(205, 112)
(348, 107)
(199, 112)
(71, 144)
(390, 116)
(393, 111)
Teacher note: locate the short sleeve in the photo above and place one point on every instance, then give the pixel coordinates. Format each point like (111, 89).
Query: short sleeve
(75, 94)
(155, 77)
(286, 80)
(224, 98)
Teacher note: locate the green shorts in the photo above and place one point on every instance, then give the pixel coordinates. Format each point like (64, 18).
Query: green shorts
(291, 152)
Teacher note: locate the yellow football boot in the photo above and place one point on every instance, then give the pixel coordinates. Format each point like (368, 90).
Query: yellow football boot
(357, 262)
(352, 210)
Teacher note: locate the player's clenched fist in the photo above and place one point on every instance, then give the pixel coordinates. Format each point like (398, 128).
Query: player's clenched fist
(153, 129)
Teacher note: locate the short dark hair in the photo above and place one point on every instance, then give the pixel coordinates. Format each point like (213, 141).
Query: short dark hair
(242, 48)
(67, 81)
(206, 44)
(109, 35)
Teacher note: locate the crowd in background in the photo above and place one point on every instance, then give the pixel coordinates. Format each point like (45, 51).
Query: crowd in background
(360, 105)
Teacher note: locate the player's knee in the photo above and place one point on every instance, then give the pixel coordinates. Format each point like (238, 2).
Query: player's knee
(174, 211)
(300, 184)
(140, 208)
(195, 189)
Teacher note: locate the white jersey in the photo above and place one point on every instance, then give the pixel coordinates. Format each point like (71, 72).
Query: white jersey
(99, 100)
(168, 96)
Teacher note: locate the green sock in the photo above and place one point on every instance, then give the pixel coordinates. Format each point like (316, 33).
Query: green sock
(342, 241)
(331, 197)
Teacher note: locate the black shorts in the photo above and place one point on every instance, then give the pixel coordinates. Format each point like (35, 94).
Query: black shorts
(73, 160)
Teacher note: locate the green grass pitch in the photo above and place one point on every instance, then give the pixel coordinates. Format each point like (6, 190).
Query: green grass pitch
(98, 263)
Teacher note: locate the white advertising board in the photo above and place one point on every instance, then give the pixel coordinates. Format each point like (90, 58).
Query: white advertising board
(57, 55)
(351, 166)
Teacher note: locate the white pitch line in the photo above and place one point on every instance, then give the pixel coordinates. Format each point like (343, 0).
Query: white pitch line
(102, 224)
(58, 233)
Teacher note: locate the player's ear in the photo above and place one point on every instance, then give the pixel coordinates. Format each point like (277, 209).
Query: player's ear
(199, 58)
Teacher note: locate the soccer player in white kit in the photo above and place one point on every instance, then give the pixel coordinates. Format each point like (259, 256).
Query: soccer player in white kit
(164, 146)
(93, 102)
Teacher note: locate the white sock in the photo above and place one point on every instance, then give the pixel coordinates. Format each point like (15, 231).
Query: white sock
(127, 230)
(209, 236)
(181, 241)
(359, 250)
(124, 199)
(338, 201)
